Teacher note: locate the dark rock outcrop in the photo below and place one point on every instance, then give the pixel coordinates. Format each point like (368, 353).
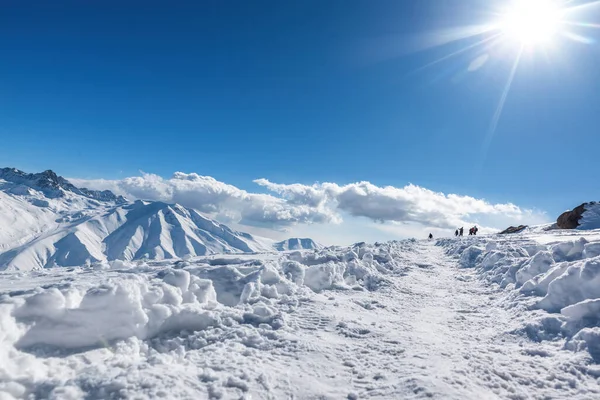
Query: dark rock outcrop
(570, 219)
(514, 229)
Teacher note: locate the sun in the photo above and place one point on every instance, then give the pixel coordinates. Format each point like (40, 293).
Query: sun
(531, 22)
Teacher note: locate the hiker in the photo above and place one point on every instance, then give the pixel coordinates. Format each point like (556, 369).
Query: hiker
(456, 233)
(475, 230)
(430, 236)
(470, 231)
(461, 231)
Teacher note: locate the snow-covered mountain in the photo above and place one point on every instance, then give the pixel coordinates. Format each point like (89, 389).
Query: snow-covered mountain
(45, 221)
(52, 185)
(297, 244)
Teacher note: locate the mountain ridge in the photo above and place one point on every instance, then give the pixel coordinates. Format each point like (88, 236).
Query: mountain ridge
(53, 185)
(45, 221)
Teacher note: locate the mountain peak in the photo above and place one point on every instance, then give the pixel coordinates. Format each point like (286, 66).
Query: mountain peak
(297, 244)
(55, 186)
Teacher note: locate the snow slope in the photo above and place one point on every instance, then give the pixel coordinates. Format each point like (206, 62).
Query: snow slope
(458, 319)
(149, 230)
(590, 218)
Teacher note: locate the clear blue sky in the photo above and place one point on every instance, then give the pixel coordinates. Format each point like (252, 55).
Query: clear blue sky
(299, 91)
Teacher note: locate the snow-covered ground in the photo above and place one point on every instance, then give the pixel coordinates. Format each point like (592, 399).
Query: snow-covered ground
(469, 318)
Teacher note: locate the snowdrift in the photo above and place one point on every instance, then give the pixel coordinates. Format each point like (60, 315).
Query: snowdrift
(55, 324)
(562, 279)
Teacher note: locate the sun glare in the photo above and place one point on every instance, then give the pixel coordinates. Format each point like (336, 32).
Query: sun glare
(531, 22)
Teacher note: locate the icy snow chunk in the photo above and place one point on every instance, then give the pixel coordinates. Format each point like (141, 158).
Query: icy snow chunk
(323, 276)
(105, 313)
(491, 246)
(492, 258)
(469, 257)
(533, 248)
(586, 339)
(569, 251)
(539, 284)
(178, 278)
(261, 314)
(579, 282)
(545, 328)
(591, 250)
(269, 275)
(294, 271)
(587, 309)
(203, 290)
(539, 264)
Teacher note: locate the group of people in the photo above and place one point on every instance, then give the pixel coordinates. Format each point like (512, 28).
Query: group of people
(459, 232)
(472, 231)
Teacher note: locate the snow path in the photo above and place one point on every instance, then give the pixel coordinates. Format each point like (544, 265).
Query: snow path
(436, 332)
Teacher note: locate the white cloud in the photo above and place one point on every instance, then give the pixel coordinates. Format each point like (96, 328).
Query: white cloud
(206, 194)
(409, 209)
(410, 204)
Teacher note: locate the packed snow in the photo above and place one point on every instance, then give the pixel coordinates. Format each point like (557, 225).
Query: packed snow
(505, 317)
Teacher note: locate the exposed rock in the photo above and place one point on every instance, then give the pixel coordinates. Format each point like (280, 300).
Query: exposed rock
(513, 229)
(570, 219)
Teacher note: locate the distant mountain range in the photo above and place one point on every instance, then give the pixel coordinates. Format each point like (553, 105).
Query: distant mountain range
(46, 221)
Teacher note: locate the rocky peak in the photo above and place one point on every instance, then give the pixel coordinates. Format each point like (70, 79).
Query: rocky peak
(571, 219)
(55, 186)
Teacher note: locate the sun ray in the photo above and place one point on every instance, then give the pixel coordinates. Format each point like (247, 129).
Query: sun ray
(580, 7)
(578, 38)
(491, 39)
(496, 118)
(582, 24)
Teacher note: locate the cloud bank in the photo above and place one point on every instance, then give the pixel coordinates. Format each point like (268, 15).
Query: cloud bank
(288, 205)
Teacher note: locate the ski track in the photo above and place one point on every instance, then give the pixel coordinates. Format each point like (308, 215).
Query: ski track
(433, 331)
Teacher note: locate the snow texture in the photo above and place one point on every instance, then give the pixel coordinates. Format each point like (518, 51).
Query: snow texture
(591, 217)
(404, 319)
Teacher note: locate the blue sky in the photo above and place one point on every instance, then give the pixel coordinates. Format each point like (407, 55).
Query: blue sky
(297, 92)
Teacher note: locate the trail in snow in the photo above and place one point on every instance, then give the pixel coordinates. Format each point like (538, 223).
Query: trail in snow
(398, 320)
(434, 332)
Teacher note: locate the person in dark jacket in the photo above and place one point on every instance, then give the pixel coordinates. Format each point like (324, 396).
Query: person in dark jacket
(456, 232)
(461, 231)
(430, 236)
